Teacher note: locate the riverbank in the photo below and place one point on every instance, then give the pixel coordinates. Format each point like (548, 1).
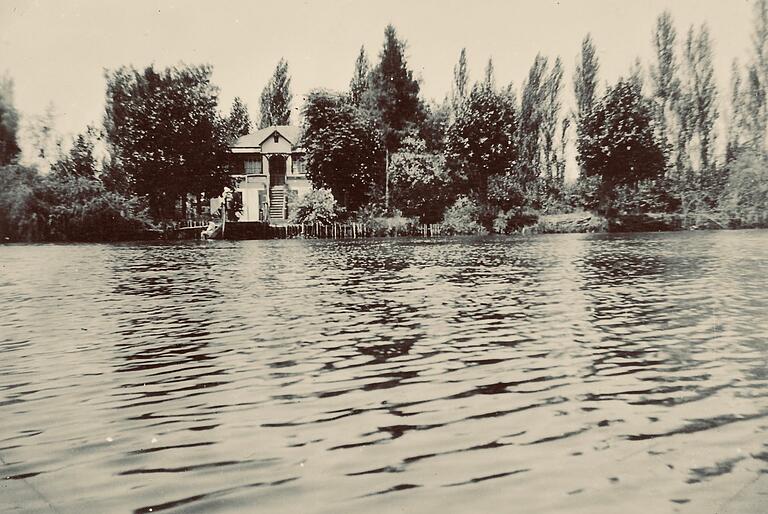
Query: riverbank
(569, 223)
(586, 222)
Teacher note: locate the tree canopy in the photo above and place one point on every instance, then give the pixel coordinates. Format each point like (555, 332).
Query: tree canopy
(361, 79)
(276, 98)
(481, 140)
(165, 133)
(9, 123)
(394, 93)
(343, 148)
(238, 121)
(618, 143)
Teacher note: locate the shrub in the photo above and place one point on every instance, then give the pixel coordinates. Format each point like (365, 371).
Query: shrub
(463, 217)
(317, 206)
(513, 220)
(378, 222)
(420, 184)
(747, 186)
(65, 208)
(81, 209)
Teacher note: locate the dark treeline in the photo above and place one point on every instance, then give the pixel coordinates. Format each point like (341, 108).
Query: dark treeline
(489, 156)
(165, 146)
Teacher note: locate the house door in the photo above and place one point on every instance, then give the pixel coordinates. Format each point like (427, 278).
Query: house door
(276, 171)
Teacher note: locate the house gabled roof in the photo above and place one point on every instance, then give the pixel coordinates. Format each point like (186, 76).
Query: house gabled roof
(255, 139)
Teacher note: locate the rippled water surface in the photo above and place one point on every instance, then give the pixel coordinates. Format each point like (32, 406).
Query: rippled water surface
(574, 373)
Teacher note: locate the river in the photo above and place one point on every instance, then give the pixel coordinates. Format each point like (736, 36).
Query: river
(563, 373)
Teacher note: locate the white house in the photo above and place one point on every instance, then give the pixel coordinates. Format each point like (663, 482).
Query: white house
(269, 166)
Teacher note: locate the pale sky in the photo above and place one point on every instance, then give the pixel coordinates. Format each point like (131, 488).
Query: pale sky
(56, 51)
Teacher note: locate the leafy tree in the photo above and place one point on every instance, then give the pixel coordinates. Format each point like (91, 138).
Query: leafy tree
(239, 121)
(530, 125)
(665, 81)
(480, 142)
(165, 134)
(459, 87)
(22, 215)
(747, 187)
(738, 120)
(421, 185)
(436, 121)
(489, 77)
(360, 83)
(80, 162)
(617, 142)
(585, 78)
(394, 93)
(756, 88)
(343, 148)
(756, 125)
(9, 123)
(550, 107)
(276, 98)
(43, 143)
(61, 207)
(700, 95)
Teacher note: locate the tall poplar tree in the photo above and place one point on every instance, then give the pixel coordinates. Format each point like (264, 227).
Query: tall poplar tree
(530, 124)
(700, 97)
(550, 117)
(276, 98)
(585, 78)
(757, 85)
(9, 123)
(736, 121)
(460, 83)
(489, 79)
(360, 83)
(665, 81)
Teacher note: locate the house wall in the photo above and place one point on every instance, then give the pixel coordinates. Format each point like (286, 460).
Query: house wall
(282, 145)
(250, 189)
(255, 188)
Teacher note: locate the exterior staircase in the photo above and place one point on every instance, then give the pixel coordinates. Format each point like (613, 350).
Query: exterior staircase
(277, 203)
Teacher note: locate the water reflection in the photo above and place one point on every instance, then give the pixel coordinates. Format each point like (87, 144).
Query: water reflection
(571, 373)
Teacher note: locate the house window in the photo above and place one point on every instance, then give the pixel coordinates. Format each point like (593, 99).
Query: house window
(276, 137)
(253, 167)
(298, 165)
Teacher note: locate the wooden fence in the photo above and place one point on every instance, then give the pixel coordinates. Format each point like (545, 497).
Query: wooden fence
(262, 230)
(351, 230)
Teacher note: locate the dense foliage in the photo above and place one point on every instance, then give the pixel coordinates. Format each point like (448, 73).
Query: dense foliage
(617, 140)
(485, 157)
(276, 98)
(317, 206)
(63, 207)
(480, 143)
(9, 121)
(343, 148)
(420, 181)
(239, 121)
(165, 133)
(393, 93)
